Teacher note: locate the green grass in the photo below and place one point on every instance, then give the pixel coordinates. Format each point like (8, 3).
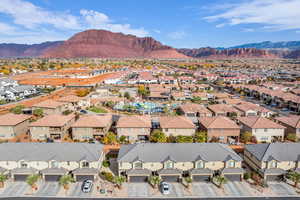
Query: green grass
(97, 109)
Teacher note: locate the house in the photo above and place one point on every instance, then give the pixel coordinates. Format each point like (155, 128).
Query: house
(291, 123)
(224, 110)
(51, 107)
(12, 125)
(75, 102)
(91, 127)
(158, 93)
(147, 78)
(134, 128)
(178, 95)
(173, 161)
(177, 125)
(262, 128)
(222, 128)
(51, 160)
(53, 126)
(194, 110)
(273, 160)
(250, 109)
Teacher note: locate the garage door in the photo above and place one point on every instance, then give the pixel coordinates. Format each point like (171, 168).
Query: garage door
(52, 177)
(274, 178)
(138, 178)
(20, 177)
(200, 178)
(84, 177)
(170, 178)
(235, 177)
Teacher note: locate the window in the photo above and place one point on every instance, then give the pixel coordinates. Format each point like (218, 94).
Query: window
(24, 164)
(138, 165)
(231, 163)
(166, 129)
(266, 130)
(273, 164)
(85, 164)
(169, 165)
(54, 164)
(200, 165)
(68, 163)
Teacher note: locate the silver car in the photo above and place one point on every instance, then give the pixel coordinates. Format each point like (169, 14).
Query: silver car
(87, 186)
(165, 188)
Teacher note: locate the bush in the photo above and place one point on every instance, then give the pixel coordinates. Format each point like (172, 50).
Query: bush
(105, 163)
(292, 137)
(247, 176)
(108, 176)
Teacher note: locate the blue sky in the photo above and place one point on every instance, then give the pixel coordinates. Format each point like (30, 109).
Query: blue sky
(179, 23)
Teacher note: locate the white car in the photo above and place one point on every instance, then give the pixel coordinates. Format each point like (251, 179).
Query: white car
(165, 188)
(87, 186)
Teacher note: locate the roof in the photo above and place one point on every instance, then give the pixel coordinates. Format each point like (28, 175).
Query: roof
(176, 122)
(218, 122)
(277, 151)
(193, 107)
(50, 151)
(134, 121)
(70, 99)
(259, 122)
(49, 104)
(56, 120)
(222, 108)
(93, 121)
(178, 152)
(291, 120)
(11, 119)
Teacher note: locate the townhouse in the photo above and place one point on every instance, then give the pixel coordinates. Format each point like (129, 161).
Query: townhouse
(194, 110)
(51, 107)
(177, 125)
(250, 109)
(273, 161)
(221, 128)
(134, 128)
(75, 102)
(54, 127)
(12, 125)
(224, 110)
(292, 124)
(262, 128)
(51, 160)
(91, 127)
(200, 161)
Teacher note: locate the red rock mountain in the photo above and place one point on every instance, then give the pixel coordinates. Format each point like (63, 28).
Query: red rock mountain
(105, 44)
(227, 53)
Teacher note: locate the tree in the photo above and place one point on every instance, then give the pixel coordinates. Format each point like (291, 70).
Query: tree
(123, 139)
(17, 109)
(221, 180)
(3, 178)
(127, 95)
(143, 91)
(292, 137)
(184, 139)
(109, 138)
(246, 136)
(38, 112)
(200, 137)
(82, 92)
(188, 180)
(65, 180)
(32, 179)
(294, 176)
(155, 181)
(158, 136)
(119, 180)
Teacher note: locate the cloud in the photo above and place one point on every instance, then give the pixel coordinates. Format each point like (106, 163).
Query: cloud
(157, 31)
(177, 35)
(270, 14)
(6, 28)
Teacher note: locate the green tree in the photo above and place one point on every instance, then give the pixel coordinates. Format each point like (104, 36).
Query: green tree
(3, 178)
(184, 139)
(143, 91)
(200, 137)
(294, 176)
(127, 95)
(17, 109)
(220, 180)
(155, 181)
(109, 138)
(119, 180)
(32, 179)
(123, 139)
(65, 180)
(158, 136)
(188, 180)
(246, 136)
(292, 137)
(38, 112)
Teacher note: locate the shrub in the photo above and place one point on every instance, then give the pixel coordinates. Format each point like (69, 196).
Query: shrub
(108, 176)
(247, 176)
(292, 137)
(105, 163)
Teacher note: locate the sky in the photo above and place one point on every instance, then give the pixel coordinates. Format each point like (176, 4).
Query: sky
(178, 23)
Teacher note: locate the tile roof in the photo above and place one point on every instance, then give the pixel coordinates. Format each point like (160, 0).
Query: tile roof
(193, 107)
(49, 104)
(93, 121)
(218, 122)
(54, 120)
(11, 119)
(70, 99)
(176, 122)
(259, 122)
(134, 121)
(291, 120)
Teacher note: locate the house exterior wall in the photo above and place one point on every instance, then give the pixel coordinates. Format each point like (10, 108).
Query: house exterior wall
(179, 131)
(83, 133)
(219, 133)
(9, 132)
(264, 135)
(133, 133)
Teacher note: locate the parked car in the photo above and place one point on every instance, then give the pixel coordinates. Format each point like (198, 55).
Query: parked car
(83, 111)
(87, 186)
(165, 188)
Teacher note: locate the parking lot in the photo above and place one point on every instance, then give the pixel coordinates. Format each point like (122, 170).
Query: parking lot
(281, 188)
(48, 189)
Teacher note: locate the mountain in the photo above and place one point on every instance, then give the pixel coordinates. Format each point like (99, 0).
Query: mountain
(25, 50)
(291, 45)
(104, 44)
(227, 53)
(293, 54)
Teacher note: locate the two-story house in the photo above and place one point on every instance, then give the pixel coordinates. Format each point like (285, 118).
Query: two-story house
(51, 107)
(292, 124)
(75, 102)
(274, 160)
(194, 110)
(200, 161)
(177, 125)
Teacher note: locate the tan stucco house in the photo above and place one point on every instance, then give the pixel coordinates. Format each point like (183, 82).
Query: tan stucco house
(51, 107)
(177, 125)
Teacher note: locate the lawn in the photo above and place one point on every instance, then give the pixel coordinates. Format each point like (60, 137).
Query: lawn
(97, 109)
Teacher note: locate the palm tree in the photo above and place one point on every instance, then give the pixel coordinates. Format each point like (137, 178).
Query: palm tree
(155, 181)
(3, 178)
(32, 179)
(294, 176)
(65, 180)
(188, 180)
(119, 180)
(221, 180)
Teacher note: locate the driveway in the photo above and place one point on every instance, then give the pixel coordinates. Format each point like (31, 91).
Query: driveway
(281, 188)
(138, 189)
(75, 190)
(16, 189)
(204, 189)
(48, 189)
(236, 188)
(176, 190)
